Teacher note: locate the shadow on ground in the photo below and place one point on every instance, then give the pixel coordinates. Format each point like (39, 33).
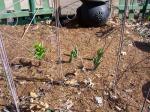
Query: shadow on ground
(142, 46)
(146, 91)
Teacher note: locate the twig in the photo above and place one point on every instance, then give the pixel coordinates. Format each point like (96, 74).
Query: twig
(29, 25)
(31, 20)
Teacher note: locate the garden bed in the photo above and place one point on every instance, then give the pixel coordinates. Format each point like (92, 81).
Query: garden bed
(42, 84)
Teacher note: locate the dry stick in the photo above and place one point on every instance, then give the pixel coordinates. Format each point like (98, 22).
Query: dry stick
(29, 25)
(31, 20)
(130, 67)
(145, 100)
(120, 44)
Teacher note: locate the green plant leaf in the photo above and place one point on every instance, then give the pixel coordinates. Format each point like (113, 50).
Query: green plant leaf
(98, 58)
(73, 54)
(49, 110)
(39, 50)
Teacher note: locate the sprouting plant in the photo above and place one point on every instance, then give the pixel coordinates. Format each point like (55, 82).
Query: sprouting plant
(39, 50)
(98, 58)
(148, 18)
(73, 54)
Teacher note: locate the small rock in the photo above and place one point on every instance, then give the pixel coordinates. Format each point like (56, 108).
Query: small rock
(131, 44)
(71, 82)
(31, 100)
(41, 103)
(98, 75)
(106, 93)
(118, 108)
(113, 96)
(129, 90)
(48, 22)
(111, 84)
(127, 32)
(22, 82)
(88, 110)
(68, 104)
(83, 69)
(33, 95)
(46, 105)
(123, 53)
(99, 101)
(109, 37)
(89, 82)
(79, 93)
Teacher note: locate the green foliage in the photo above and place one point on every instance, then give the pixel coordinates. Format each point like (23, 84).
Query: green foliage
(73, 54)
(148, 18)
(39, 50)
(98, 58)
(49, 110)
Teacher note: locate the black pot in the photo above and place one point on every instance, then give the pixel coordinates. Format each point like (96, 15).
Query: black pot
(93, 13)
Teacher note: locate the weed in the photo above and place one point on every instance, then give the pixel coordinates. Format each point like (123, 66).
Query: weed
(73, 54)
(39, 50)
(98, 58)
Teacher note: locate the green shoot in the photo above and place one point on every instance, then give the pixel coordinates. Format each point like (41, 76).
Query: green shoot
(148, 18)
(98, 58)
(73, 54)
(39, 51)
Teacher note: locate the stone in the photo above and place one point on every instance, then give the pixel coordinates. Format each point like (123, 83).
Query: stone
(33, 95)
(118, 108)
(89, 82)
(99, 101)
(123, 53)
(71, 82)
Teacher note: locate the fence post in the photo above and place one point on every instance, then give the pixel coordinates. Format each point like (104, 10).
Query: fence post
(144, 9)
(2, 6)
(32, 10)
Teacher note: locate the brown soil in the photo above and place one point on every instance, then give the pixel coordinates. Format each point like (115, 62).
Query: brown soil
(44, 76)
